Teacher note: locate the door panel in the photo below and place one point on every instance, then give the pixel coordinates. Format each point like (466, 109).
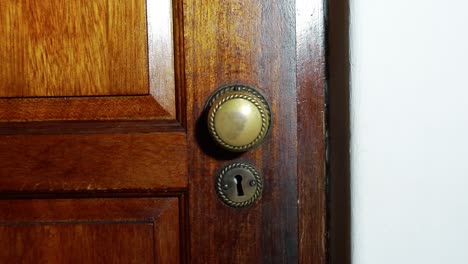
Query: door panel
(93, 153)
(111, 63)
(104, 150)
(312, 131)
(93, 162)
(73, 48)
(91, 230)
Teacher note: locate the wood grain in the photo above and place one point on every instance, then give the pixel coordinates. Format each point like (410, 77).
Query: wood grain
(81, 108)
(311, 170)
(161, 52)
(251, 42)
(54, 173)
(158, 111)
(93, 162)
(167, 242)
(73, 48)
(77, 243)
(91, 230)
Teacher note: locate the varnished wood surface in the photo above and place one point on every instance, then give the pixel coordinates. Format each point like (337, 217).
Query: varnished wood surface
(311, 81)
(81, 108)
(77, 243)
(215, 43)
(159, 110)
(251, 42)
(169, 239)
(65, 48)
(93, 162)
(46, 161)
(92, 230)
(161, 49)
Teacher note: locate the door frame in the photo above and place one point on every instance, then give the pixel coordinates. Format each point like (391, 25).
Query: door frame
(312, 129)
(338, 123)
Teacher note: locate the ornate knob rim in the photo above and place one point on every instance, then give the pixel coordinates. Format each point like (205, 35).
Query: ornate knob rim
(230, 92)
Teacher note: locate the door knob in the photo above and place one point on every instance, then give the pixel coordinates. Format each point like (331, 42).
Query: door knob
(239, 117)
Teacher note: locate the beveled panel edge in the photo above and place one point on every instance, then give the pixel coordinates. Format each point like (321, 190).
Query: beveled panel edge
(167, 82)
(161, 59)
(80, 108)
(179, 62)
(120, 119)
(79, 115)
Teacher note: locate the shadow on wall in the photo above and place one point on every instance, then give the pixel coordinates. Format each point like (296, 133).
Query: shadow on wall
(339, 133)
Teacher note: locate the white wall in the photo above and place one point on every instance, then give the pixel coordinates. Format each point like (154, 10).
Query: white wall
(409, 131)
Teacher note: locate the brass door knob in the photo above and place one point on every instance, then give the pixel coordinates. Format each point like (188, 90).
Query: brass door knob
(239, 117)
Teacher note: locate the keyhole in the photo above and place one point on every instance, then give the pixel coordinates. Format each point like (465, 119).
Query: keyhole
(238, 181)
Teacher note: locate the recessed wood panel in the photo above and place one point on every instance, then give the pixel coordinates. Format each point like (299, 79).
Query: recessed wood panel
(155, 29)
(93, 162)
(77, 243)
(73, 48)
(90, 230)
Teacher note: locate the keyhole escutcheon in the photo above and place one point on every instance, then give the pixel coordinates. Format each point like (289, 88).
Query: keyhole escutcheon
(239, 185)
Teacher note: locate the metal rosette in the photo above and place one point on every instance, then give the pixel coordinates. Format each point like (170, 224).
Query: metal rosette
(225, 185)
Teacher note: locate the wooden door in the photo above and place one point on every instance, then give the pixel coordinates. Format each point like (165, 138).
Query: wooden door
(104, 155)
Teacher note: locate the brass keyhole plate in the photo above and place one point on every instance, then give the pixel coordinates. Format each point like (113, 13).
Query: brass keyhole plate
(239, 185)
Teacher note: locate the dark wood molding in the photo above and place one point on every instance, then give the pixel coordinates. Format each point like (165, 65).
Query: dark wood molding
(311, 116)
(339, 133)
(91, 127)
(180, 193)
(179, 62)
